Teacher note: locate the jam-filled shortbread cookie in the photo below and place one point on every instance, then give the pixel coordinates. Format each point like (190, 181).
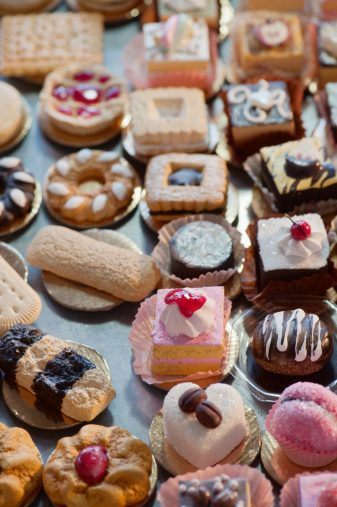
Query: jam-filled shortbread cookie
(111, 190)
(21, 467)
(83, 100)
(180, 184)
(98, 466)
(56, 374)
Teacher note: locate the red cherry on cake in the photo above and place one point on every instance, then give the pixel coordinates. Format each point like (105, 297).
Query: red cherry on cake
(187, 302)
(91, 464)
(84, 75)
(87, 94)
(300, 229)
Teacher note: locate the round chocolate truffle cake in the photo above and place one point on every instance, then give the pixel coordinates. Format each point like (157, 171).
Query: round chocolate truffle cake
(292, 343)
(201, 247)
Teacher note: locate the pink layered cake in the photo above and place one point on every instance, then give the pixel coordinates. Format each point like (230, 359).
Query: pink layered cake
(188, 330)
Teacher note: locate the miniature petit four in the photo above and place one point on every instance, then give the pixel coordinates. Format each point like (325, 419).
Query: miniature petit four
(256, 110)
(284, 255)
(48, 41)
(206, 9)
(21, 467)
(298, 171)
(200, 247)
(17, 189)
(292, 342)
(304, 422)
(11, 113)
(169, 119)
(327, 52)
(98, 464)
(275, 5)
(74, 256)
(90, 186)
(215, 492)
(167, 199)
(217, 424)
(270, 41)
(188, 330)
(331, 97)
(56, 374)
(19, 302)
(317, 490)
(178, 44)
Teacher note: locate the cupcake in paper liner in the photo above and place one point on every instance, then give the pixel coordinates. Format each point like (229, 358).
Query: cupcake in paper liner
(204, 249)
(257, 283)
(141, 341)
(304, 423)
(318, 488)
(260, 486)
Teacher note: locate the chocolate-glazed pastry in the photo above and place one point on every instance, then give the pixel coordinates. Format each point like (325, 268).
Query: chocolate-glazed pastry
(219, 491)
(292, 343)
(200, 247)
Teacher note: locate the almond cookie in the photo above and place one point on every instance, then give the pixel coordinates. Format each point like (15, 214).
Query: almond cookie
(83, 99)
(89, 187)
(21, 467)
(19, 302)
(56, 374)
(11, 113)
(74, 256)
(98, 466)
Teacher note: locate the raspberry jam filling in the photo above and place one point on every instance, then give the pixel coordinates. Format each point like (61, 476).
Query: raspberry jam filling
(113, 93)
(65, 110)
(88, 111)
(61, 93)
(84, 75)
(187, 302)
(104, 78)
(91, 464)
(88, 94)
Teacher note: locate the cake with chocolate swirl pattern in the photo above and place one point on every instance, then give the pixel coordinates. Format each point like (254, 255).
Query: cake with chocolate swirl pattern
(292, 343)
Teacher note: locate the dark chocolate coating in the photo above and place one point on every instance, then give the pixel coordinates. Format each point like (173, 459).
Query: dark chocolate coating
(61, 373)
(8, 183)
(185, 176)
(200, 247)
(14, 344)
(282, 337)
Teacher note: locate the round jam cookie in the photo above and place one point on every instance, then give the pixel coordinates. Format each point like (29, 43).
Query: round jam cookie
(89, 187)
(201, 247)
(11, 112)
(83, 100)
(292, 343)
(98, 465)
(21, 467)
(16, 190)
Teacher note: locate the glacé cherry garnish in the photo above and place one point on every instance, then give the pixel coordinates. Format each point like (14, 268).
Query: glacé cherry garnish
(84, 75)
(104, 78)
(187, 302)
(88, 94)
(65, 110)
(88, 111)
(91, 464)
(300, 229)
(112, 93)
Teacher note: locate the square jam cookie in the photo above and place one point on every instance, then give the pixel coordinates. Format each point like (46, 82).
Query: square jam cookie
(169, 198)
(271, 41)
(190, 52)
(327, 52)
(168, 119)
(297, 172)
(258, 109)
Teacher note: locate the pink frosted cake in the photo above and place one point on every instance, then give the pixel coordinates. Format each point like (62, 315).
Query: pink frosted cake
(188, 330)
(317, 490)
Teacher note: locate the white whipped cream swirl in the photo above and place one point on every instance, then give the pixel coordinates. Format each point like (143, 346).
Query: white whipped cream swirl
(299, 248)
(202, 320)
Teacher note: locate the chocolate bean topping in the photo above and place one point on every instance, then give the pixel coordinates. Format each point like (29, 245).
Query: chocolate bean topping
(227, 498)
(208, 414)
(201, 497)
(191, 398)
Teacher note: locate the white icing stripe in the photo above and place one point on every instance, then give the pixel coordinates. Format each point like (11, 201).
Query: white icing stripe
(84, 155)
(18, 197)
(24, 177)
(99, 202)
(121, 170)
(108, 156)
(63, 167)
(74, 202)
(58, 188)
(119, 190)
(268, 345)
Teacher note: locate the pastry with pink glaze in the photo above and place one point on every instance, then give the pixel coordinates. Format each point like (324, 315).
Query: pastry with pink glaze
(188, 330)
(304, 422)
(318, 489)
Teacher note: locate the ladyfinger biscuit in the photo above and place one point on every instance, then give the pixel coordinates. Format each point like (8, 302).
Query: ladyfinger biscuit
(56, 374)
(74, 256)
(18, 301)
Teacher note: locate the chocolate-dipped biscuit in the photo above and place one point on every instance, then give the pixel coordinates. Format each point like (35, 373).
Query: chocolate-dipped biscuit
(200, 247)
(292, 343)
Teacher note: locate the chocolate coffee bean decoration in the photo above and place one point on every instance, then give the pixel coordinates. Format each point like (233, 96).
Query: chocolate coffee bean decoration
(208, 414)
(201, 496)
(227, 498)
(191, 398)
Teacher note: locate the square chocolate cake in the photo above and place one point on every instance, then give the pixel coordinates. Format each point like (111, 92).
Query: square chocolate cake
(297, 172)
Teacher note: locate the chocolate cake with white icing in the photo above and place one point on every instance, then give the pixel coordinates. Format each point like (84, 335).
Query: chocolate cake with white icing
(292, 343)
(282, 257)
(201, 247)
(298, 172)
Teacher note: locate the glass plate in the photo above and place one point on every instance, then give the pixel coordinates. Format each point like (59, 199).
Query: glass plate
(267, 386)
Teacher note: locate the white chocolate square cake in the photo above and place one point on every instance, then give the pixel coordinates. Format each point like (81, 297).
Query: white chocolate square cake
(190, 52)
(169, 119)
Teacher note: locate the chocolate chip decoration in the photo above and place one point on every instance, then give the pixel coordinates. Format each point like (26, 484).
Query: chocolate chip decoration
(208, 414)
(191, 398)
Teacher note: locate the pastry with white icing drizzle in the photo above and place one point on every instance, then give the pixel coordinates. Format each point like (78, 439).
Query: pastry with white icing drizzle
(292, 342)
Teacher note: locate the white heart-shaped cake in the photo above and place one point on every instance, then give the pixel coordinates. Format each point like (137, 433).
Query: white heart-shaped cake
(201, 446)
